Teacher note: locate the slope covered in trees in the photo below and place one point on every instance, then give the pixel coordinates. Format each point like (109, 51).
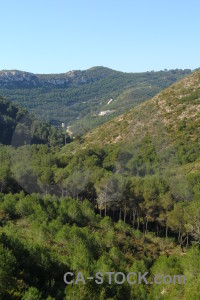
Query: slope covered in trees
(154, 145)
(77, 97)
(42, 238)
(18, 127)
(149, 157)
(124, 197)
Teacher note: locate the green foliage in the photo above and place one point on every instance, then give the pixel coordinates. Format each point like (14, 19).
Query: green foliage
(86, 93)
(32, 294)
(125, 197)
(8, 266)
(38, 241)
(47, 236)
(19, 128)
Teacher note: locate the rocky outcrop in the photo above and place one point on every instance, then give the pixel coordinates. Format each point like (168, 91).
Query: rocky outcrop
(15, 78)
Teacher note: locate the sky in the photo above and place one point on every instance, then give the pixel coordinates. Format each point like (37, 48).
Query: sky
(56, 36)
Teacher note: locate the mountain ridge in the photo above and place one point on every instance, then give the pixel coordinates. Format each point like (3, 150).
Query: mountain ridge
(9, 77)
(82, 99)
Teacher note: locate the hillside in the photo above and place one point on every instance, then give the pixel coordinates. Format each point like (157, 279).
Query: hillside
(125, 197)
(159, 138)
(77, 97)
(172, 112)
(18, 127)
(161, 134)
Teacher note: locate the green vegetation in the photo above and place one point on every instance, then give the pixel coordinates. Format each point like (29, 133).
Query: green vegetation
(42, 238)
(84, 94)
(124, 197)
(18, 127)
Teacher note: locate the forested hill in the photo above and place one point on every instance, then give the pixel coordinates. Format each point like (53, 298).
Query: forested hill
(173, 116)
(125, 197)
(78, 97)
(18, 127)
(157, 141)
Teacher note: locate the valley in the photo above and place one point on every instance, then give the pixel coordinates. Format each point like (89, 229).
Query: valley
(77, 98)
(122, 197)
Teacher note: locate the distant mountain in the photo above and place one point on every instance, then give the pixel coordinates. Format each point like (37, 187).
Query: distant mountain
(19, 79)
(83, 99)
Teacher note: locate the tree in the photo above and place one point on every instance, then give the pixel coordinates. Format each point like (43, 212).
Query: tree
(32, 294)
(110, 193)
(164, 206)
(76, 182)
(7, 272)
(176, 221)
(5, 172)
(192, 220)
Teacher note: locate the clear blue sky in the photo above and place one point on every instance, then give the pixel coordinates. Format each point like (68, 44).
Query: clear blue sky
(54, 36)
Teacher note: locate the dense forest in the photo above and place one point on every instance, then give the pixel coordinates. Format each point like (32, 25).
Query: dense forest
(124, 197)
(77, 97)
(44, 237)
